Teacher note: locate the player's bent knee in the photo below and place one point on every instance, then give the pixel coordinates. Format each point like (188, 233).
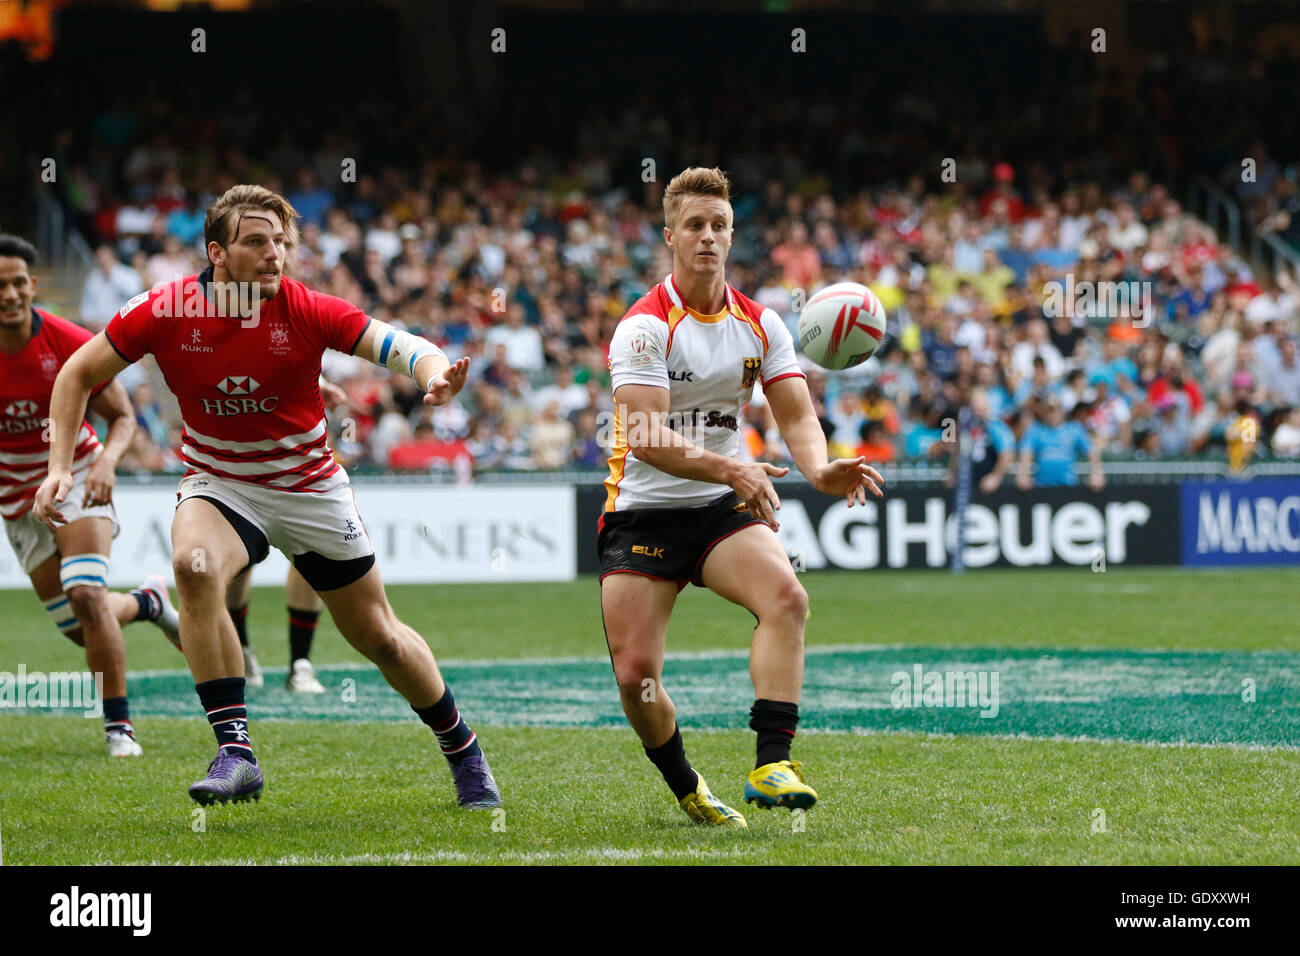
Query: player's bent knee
(632, 671)
(790, 602)
(87, 603)
(195, 570)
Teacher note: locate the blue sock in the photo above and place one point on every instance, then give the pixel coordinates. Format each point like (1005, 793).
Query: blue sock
(223, 702)
(454, 735)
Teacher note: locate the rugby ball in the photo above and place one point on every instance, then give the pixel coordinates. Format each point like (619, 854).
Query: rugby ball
(841, 326)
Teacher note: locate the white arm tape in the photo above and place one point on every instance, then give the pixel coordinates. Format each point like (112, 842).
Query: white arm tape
(398, 350)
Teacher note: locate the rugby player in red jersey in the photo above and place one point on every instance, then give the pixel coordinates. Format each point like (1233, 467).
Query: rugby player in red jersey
(67, 567)
(240, 345)
(682, 508)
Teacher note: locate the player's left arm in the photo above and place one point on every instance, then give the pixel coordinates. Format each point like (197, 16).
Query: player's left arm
(415, 357)
(114, 406)
(797, 420)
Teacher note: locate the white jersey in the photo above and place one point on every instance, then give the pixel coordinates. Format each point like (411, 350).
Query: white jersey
(709, 364)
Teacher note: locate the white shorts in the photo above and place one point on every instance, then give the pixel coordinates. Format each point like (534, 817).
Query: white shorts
(293, 522)
(33, 541)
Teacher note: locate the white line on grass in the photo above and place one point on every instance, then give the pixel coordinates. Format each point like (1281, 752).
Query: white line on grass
(593, 854)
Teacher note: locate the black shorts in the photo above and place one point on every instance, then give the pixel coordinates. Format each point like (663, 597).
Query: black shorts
(668, 543)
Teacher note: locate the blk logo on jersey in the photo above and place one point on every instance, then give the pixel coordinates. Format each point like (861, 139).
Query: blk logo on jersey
(749, 372)
(680, 376)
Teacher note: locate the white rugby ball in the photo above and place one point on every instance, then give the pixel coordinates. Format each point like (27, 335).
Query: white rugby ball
(841, 326)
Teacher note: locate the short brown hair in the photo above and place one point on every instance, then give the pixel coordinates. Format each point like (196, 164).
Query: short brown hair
(219, 225)
(696, 181)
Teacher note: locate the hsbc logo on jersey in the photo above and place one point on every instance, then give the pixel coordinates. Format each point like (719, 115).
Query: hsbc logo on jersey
(239, 385)
(20, 417)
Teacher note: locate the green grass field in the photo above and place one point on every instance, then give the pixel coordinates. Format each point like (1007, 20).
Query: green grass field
(1144, 716)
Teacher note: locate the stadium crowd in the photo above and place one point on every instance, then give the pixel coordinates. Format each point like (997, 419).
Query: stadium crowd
(1080, 290)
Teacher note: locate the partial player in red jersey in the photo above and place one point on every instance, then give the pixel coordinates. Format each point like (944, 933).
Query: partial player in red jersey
(68, 566)
(240, 345)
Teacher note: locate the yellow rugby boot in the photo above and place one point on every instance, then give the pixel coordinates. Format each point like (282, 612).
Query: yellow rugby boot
(779, 785)
(703, 807)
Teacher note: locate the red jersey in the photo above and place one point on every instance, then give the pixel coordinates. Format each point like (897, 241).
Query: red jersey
(26, 380)
(247, 389)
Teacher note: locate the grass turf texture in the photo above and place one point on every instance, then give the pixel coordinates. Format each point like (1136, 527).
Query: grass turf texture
(378, 792)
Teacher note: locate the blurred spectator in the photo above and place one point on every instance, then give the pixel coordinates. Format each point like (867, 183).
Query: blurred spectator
(424, 450)
(1050, 448)
(523, 343)
(551, 441)
(107, 288)
(875, 445)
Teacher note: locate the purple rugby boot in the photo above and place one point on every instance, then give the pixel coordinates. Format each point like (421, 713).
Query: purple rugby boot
(476, 789)
(230, 778)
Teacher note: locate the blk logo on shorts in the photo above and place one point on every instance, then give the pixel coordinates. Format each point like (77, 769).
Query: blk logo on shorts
(648, 552)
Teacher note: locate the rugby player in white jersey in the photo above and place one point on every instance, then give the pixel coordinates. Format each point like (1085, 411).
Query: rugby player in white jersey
(240, 346)
(682, 508)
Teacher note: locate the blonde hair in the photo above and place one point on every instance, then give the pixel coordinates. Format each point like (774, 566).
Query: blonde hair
(220, 225)
(696, 181)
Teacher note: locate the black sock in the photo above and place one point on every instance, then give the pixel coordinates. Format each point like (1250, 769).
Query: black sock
(117, 717)
(150, 606)
(671, 760)
(455, 738)
(302, 628)
(774, 720)
(240, 616)
(223, 702)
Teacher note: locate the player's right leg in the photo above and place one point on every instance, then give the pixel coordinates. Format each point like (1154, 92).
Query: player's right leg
(636, 609)
(211, 543)
(237, 606)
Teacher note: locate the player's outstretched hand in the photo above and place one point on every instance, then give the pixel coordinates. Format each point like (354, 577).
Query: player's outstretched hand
(753, 483)
(850, 477)
(53, 490)
(99, 484)
(444, 386)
